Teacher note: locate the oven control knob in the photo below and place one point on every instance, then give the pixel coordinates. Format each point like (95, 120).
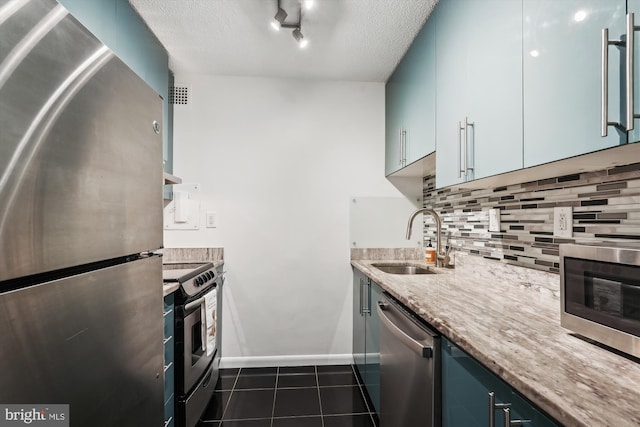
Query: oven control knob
(209, 275)
(204, 278)
(198, 281)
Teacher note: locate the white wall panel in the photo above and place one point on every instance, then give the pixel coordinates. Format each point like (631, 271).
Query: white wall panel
(279, 162)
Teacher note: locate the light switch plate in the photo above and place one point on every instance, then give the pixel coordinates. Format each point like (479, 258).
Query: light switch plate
(563, 222)
(494, 220)
(212, 220)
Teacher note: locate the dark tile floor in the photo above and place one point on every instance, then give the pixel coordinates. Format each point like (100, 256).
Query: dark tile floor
(306, 396)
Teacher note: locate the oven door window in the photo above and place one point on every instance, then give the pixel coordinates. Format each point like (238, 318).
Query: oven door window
(197, 349)
(605, 293)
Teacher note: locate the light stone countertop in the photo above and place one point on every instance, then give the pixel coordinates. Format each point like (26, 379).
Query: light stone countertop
(169, 288)
(508, 318)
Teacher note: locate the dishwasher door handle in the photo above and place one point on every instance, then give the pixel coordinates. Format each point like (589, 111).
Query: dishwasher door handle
(417, 346)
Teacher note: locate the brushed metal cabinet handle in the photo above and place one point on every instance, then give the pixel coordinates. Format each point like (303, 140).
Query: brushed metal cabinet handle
(400, 147)
(404, 147)
(630, 69)
(459, 130)
(493, 407)
(604, 81)
(360, 302)
(467, 156)
(367, 308)
(508, 422)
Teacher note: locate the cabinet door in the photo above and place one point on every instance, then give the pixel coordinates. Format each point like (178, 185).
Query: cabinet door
(466, 385)
(372, 357)
(494, 76)
(562, 73)
(479, 74)
(393, 126)
(420, 94)
(169, 370)
(411, 103)
(633, 6)
(451, 93)
(359, 285)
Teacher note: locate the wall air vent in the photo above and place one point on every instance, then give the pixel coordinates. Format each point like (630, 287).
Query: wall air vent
(179, 95)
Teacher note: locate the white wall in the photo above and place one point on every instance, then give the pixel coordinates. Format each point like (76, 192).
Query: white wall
(278, 161)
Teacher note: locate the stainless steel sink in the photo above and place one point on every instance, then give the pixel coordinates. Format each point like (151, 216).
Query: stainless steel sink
(403, 269)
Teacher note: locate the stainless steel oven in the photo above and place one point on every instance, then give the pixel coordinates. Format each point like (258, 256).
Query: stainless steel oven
(600, 294)
(198, 307)
(197, 354)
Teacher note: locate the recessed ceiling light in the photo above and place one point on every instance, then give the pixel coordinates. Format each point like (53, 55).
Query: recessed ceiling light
(535, 53)
(308, 4)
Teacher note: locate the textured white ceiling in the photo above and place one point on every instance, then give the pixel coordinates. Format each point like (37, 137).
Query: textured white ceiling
(357, 40)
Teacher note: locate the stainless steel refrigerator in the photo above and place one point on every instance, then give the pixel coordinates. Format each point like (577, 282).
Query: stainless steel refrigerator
(80, 216)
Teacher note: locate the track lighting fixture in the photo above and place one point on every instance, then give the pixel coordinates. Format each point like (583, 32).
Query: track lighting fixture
(297, 34)
(279, 22)
(278, 19)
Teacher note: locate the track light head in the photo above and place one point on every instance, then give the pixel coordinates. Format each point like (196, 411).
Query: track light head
(297, 34)
(279, 18)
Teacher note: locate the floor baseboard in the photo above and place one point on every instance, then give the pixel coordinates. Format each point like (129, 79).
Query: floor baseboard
(296, 360)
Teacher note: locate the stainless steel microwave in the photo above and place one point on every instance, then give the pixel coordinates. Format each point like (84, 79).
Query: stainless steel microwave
(600, 294)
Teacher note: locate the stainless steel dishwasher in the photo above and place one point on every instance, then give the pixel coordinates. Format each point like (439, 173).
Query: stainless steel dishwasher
(409, 368)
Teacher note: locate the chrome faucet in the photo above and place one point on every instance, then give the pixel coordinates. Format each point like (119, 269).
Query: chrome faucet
(441, 258)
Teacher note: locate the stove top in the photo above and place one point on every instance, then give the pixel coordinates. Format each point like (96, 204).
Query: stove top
(193, 277)
(183, 271)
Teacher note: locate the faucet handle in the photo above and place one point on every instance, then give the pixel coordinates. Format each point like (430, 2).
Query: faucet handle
(447, 258)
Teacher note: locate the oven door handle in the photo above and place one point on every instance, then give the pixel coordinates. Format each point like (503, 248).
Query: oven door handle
(193, 304)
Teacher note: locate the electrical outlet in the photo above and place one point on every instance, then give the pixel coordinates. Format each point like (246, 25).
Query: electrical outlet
(494, 220)
(563, 222)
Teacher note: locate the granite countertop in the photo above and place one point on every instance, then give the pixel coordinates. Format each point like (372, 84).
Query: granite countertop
(508, 318)
(169, 288)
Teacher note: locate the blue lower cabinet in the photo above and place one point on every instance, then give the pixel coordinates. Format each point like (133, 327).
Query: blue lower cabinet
(169, 363)
(366, 334)
(372, 354)
(472, 395)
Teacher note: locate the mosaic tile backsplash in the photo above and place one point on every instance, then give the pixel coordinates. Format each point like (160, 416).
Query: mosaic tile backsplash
(606, 208)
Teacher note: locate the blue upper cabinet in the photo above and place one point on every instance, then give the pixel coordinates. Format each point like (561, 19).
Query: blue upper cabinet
(479, 92)
(410, 104)
(393, 125)
(633, 6)
(562, 77)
